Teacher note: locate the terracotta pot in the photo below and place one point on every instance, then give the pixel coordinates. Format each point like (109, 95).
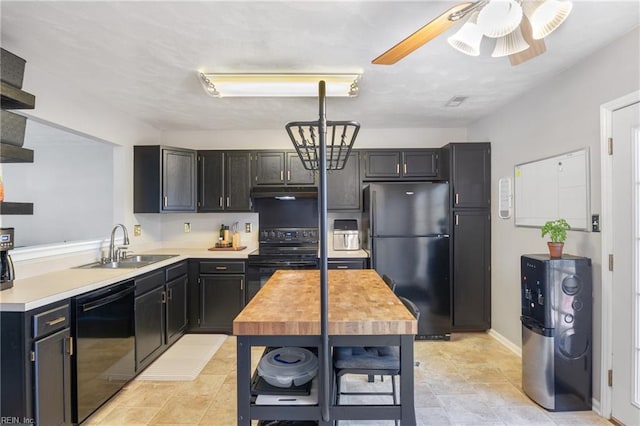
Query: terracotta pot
(555, 249)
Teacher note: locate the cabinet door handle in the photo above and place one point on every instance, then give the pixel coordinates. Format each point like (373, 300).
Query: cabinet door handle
(281, 175)
(220, 201)
(457, 220)
(457, 198)
(56, 321)
(405, 168)
(241, 285)
(164, 297)
(221, 268)
(170, 294)
(397, 168)
(342, 267)
(70, 345)
(228, 201)
(288, 175)
(165, 201)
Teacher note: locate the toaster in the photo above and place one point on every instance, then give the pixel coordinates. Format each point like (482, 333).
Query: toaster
(345, 234)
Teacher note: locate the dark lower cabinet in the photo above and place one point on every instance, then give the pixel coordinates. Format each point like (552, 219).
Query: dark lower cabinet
(220, 301)
(471, 275)
(52, 374)
(150, 326)
(176, 308)
(347, 263)
(160, 311)
(35, 365)
(216, 295)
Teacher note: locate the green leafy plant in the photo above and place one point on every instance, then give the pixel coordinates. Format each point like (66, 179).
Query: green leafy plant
(557, 230)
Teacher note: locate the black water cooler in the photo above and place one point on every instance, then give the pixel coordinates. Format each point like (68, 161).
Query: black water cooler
(557, 331)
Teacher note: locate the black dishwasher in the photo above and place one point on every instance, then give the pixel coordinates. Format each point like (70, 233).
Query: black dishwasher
(105, 346)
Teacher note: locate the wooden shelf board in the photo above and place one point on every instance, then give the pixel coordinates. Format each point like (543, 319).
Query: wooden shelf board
(15, 154)
(14, 98)
(15, 208)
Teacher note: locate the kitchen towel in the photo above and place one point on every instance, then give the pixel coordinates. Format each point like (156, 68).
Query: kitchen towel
(185, 359)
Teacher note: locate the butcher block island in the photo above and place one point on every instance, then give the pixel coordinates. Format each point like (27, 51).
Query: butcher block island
(362, 311)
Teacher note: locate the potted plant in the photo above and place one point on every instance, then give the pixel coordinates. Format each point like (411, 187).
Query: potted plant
(557, 230)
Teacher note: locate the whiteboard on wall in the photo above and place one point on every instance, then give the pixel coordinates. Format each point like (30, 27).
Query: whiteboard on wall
(553, 188)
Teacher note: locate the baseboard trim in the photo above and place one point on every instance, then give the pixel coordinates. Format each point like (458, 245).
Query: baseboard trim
(505, 342)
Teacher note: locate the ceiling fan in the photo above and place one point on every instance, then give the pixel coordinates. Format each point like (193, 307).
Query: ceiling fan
(519, 27)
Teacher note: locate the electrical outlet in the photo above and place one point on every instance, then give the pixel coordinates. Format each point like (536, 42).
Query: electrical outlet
(187, 227)
(595, 223)
(247, 227)
(137, 230)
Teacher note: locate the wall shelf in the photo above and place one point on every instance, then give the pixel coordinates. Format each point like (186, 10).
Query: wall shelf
(15, 154)
(15, 208)
(14, 98)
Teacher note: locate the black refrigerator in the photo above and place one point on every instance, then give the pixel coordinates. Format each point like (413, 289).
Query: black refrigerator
(406, 229)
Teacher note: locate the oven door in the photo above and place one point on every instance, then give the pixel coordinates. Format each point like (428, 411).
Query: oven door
(260, 270)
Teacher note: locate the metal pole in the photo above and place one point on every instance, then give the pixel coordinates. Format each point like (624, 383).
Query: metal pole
(325, 357)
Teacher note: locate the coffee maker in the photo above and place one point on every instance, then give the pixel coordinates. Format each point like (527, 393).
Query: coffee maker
(6, 265)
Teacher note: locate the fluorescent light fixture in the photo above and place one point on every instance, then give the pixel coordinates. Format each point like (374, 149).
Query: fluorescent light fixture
(220, 85)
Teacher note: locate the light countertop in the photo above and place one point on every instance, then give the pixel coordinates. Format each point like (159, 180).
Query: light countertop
(34, 292)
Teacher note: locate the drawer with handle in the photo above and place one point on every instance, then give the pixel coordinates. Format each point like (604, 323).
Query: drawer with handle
(50, 321)
(347, 264)
(222, 267)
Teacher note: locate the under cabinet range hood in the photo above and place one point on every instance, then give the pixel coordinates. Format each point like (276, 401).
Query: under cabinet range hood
(284, 192)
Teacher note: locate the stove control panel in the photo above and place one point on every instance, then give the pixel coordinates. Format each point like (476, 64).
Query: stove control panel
(293, 235)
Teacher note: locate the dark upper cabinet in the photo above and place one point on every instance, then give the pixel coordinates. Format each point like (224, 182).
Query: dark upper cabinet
(224, 181)
(296, 173)
(417, 164)
(210, 181)
(281, 168)
(468, 168)
(237, 181)
(344, 186)
(471, 275)
(164, 179)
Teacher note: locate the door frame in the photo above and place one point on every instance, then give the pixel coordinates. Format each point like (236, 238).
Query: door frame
(606, 118)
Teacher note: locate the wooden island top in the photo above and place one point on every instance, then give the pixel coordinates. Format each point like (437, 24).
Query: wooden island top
(360, 303)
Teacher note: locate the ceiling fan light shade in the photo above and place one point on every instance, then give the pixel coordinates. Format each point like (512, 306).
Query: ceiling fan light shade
(546, 16)
(468, 38)
(499, 17)
(512, 43)
(278, 85)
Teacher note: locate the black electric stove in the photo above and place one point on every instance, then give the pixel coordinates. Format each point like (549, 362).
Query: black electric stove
(281, 248)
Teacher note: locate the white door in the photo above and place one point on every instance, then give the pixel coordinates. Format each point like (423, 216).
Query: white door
(625, 396)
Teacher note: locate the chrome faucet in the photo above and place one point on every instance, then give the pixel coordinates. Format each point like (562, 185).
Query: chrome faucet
(115, 253)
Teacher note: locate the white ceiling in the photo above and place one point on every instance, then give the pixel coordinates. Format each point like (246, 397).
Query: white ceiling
(141, 57)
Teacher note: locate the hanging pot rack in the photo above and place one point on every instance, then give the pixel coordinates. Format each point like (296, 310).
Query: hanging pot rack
(310, 141)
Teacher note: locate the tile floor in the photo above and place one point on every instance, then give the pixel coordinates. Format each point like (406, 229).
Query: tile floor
(471, 380)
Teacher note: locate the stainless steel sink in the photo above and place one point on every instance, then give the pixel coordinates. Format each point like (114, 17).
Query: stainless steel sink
(131, 262)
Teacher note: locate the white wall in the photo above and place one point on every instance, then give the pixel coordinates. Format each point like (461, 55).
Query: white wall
(278, 139)
(559, 116)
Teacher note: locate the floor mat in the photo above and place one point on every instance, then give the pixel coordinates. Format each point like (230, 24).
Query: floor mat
(185, 359)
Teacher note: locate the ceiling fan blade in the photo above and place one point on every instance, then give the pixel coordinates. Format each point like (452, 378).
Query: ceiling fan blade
(420, 37)
(536, 47)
